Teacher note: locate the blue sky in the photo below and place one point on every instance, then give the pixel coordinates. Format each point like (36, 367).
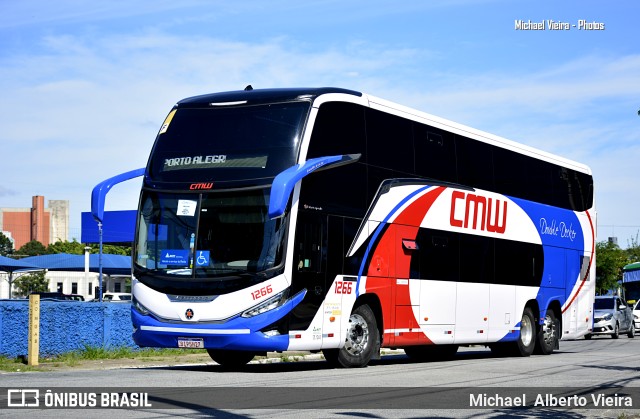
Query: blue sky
(86, 85)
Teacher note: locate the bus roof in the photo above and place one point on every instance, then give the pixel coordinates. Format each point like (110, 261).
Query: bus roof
(257, 96)
(262, 96)
(631, 267)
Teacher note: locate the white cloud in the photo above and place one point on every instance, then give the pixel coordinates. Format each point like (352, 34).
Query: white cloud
(83, 109)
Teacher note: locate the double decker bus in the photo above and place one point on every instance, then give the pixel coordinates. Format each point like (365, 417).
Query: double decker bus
(325, 219)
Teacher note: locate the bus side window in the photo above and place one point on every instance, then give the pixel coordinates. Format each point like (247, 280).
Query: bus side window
(435, 155)
(386, 135)
(475, 163)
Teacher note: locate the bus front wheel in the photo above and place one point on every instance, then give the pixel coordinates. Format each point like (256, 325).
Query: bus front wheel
(230, 359)
(361, 342)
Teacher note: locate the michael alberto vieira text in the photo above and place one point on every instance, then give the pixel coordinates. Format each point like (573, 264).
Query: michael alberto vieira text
(550, 400)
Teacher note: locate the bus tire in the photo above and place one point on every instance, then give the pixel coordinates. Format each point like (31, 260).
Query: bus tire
(431, 352)
(527, 339)
(547, 334)
(360, 343)
(230, 359)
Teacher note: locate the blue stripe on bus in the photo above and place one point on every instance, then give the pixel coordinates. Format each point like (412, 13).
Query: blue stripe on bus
(562, 240)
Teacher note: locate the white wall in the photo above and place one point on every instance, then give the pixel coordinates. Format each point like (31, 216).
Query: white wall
(67, 279)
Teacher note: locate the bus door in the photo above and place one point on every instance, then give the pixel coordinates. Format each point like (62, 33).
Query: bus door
(405, 287)
(309, 271)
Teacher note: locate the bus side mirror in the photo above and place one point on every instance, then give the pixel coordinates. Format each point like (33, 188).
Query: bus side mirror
(286, 180)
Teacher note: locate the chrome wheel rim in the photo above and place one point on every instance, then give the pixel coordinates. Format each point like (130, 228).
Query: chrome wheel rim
(548, 331)
(357, 335)
(526, 331)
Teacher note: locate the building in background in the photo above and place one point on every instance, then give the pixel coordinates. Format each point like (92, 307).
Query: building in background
(46, 225)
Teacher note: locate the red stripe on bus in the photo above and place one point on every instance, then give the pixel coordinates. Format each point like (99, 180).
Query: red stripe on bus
(586, 275)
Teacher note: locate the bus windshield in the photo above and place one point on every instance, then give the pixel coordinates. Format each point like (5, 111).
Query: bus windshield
(212, 235)
(228, 143)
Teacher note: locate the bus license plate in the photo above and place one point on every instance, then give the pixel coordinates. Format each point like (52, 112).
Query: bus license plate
(190, 343)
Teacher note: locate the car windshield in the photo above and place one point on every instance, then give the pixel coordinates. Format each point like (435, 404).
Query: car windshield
(208, 235)
(604, 304)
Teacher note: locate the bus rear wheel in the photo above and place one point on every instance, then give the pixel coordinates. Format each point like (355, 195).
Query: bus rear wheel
(526, 342)
(361, 342)
(230, 359)
(548, 334)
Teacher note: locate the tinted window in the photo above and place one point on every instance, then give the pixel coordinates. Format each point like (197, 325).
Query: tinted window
(476, 258)
(397, 148)
(338, 190)
(518, 263)
(228, 143)
(339, 129)
(604, 304)
(437, 256)
(573, 190)
(475, 163)
(435, 155)
(389, 141)
(522, 176)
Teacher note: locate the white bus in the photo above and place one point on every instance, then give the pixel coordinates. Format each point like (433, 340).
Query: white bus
(325, 219)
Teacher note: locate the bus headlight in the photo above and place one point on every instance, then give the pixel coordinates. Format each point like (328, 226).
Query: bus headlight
(273, 302)
(139, 307)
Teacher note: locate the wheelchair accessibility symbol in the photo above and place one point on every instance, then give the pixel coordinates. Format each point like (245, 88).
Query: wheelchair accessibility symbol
(202, 259)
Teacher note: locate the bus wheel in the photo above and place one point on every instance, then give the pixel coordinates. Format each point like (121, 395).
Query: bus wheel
(548, 334)
(360, 343)
(431, 352)
(527, 340)
(230, 359)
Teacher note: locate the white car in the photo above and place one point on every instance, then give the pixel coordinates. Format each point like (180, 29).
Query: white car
(116, 296)
(636, 315)
(612, 316)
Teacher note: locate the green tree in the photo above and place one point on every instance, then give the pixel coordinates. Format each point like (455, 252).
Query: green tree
(76, 248)
(610, 260)
(112, 249)
(6, 246)
(32, 248)
(633, 251)
(72, 247)
(32, 282)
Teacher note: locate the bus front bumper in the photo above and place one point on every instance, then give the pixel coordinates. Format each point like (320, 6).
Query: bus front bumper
(238, 333)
